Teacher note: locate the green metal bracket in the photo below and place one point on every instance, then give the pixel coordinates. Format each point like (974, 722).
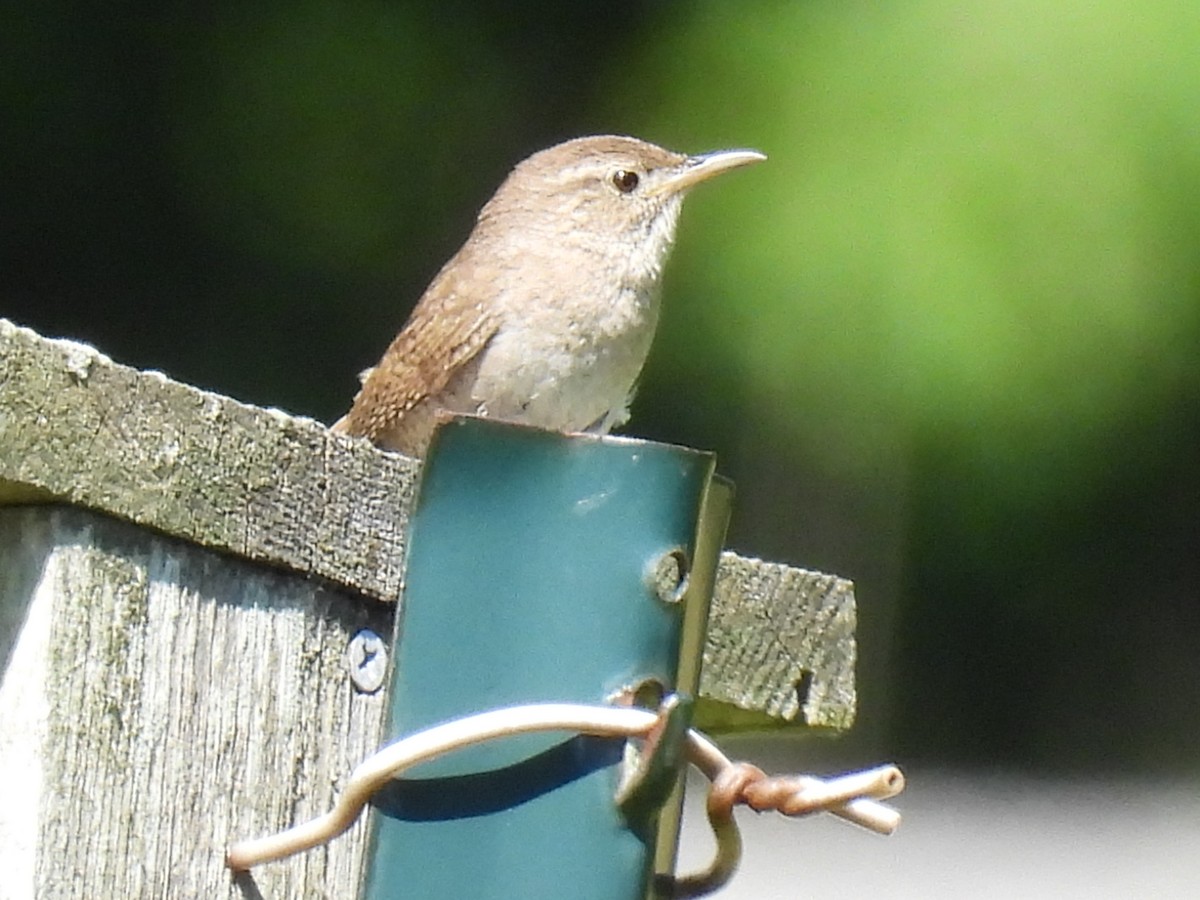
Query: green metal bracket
(544, 567)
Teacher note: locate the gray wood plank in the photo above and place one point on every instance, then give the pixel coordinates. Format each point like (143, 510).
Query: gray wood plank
(270, 487)
(162, 700)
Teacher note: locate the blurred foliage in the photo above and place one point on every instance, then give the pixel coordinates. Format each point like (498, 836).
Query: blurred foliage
(973, 227)
(945, 339)
(972, 267)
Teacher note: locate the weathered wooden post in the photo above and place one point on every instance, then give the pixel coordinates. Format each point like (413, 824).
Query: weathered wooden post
(182, 578)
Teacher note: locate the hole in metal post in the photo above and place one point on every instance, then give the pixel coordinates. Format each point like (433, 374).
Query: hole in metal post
(648, 693)
(669, 578)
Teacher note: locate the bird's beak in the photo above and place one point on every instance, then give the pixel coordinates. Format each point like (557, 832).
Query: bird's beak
(695, 169)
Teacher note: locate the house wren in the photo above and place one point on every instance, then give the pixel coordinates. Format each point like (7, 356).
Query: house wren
(546, 314)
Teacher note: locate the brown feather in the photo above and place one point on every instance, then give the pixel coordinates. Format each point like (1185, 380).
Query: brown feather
(447, 329)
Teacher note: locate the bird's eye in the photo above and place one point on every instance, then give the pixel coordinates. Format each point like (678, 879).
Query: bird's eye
(624, 180)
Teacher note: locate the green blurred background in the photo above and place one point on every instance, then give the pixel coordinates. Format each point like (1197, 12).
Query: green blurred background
(945, 340)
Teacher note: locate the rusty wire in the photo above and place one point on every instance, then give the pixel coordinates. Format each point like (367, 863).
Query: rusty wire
(852, 797)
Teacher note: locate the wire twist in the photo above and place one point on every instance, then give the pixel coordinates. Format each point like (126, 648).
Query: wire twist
(852, 797)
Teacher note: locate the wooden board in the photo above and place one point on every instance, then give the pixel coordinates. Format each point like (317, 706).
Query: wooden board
(180, 576)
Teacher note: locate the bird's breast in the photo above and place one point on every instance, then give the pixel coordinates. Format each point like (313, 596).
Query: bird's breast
(568, 362)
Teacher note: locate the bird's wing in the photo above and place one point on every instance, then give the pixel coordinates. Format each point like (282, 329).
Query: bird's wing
(449, 326)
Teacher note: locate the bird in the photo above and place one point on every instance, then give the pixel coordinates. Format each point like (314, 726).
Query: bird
(546, 314)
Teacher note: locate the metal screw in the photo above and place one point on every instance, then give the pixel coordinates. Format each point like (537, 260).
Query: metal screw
(366, 655)
(670, 576)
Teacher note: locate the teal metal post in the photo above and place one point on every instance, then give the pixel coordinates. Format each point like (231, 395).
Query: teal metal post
(541, 569)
